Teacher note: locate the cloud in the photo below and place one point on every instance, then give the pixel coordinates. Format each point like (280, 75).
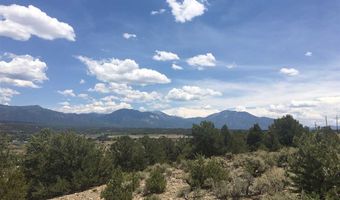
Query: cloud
(309, 54)
(231, 66)
(67, 93)
(186, 10)
(188, 112)
(188, 93)
(22, 71)
(6, 95)
(289, 71)
(157, 12)
(126, 92)
(122, 71)
(202, 61)
(97, 106)
(129, 35)
(20, 23)
(176, 67)
(82, 81)
(165, 56)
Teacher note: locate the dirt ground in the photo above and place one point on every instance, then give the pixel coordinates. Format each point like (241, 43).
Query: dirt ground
(176, 185)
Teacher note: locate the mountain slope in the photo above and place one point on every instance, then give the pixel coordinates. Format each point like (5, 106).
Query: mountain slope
(125, 118)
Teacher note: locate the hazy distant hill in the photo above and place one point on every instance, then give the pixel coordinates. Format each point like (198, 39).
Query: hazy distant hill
(125, 118)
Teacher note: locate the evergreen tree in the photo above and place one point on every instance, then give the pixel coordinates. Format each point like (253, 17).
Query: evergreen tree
(286, 128)
(315, 167)
(207, 139)
(226, 137)
(254, 137)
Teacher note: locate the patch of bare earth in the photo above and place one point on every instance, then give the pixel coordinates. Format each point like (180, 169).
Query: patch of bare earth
(177, 189)
(92, 194)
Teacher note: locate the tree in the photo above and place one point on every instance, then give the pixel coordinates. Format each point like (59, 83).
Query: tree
(226, 137)
(207, 139)
(128, 154)
(286, 128)
(271, 141)
(12, 179)
(57, 164)
(254, 138)
(155, 152)
(315, 167)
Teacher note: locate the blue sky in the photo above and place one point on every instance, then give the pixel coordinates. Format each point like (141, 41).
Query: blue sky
(268, 58)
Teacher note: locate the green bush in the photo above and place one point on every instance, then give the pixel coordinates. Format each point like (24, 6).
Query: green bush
(128, 154)
(315, 167)
(156, 183)
(206, 174)
(118, 188)
(57, 164)
(12, 179)
(256, 166)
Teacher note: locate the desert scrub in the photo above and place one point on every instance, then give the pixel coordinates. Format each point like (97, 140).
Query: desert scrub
(271, 182)
(152, 197)
(206, 173)
(118, 188)
(239, 185)
(255, 166)
(156, 183)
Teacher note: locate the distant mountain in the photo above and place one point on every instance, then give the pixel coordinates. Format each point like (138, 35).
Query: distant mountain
(125, 118)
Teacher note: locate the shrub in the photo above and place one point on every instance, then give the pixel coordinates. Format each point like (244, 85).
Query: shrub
(117, 188)
(12, 180)
(255, 166)
(152, 197)
(315, 166)
(74, 163)
(272, 181)
(239, 185)
(221, 189)
(206, 174)
(156, 183)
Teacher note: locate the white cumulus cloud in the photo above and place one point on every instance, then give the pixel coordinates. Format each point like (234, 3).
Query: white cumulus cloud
(129, 35)
(122, 71)
(186, 10)
(158, 12)
(202, 61)
(6, 95)
(20, 23)
(97, 106)
(187, 93)
(176, 67)
(22, 70)
(126, 92)
(309, 53)
(165, 56)
(67, 93)
(187, 112)
(289, 71)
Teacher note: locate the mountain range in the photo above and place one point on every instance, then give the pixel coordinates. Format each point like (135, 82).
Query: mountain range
(125, 118)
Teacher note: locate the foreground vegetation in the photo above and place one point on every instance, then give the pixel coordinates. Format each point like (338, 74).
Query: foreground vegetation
(285, 162)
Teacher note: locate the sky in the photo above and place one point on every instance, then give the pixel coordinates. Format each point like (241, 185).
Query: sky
(186, 58)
